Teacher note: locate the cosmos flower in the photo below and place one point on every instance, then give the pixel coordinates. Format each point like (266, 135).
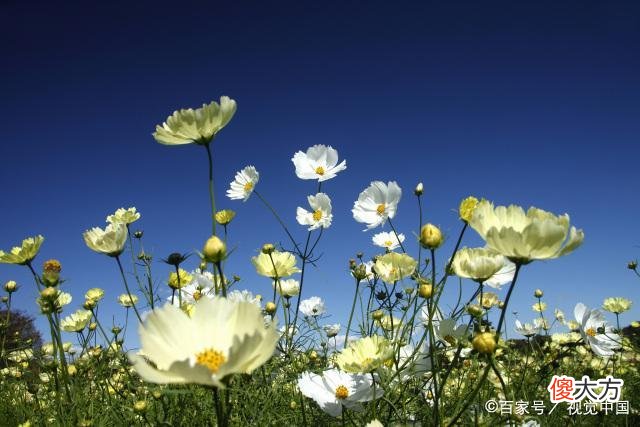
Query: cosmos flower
(365, 355)
(76, 322)
(109, 241)
(220, 338)
(448, 332)
(320, 215)
(287, 287)
(199, 126)
(616, 305)
(179, 279)
(539, 307)
(319, 162)
(393, 266)
(225, 216)
(277, 264)
(477, 264)
(127, 301)
(526, 329)
(22, 255)
(377, 203)
(502, 276)
(243, 184)
(313, 306)
(388, 240)
(124, 216)
(94, 294)
(331, 330)
(595, 331)
(334, 389)
(525, 237)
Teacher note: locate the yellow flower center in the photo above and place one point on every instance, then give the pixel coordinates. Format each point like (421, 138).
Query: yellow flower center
(381, 208)
(197, 295)
(248, 186)
(320, 170)
(591, 332)
(342, 392)
(210, 358)
(388, 243)
(451, 340)
(317, 215)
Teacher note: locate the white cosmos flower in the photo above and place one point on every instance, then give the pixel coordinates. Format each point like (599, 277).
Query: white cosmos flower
(525, 236)
(448, 332)
(377, 203)
(477, 264)
(220, 338)
(388, 240)
(243, 184)
(125, 216)
(595, 331)
(320, 215)
(313, 306)
(287, 287)
(199, 126)
(502, 276)
(76, 322)
(109, 241)
(526, 329)
(332, 330)
(319, 162)
(334, 389)
(245, 296)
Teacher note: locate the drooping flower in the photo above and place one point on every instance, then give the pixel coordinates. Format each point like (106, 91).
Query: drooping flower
(199, 126)
(243, 184)
(334, 389)
(331, 330)
(220, 338)
(394, 266)
(616, 305)
(388, 240)
(525, 237)
(526, 329)
(477, 264)
(320, 216)
(377, 203)
(365, 355)
(23, 254)
(595, 331)
(276, 264)
(76, 322)
(319, 162)
(109, 241)
(127, 301)
(313, 306)
(124, 216)
(287, 287)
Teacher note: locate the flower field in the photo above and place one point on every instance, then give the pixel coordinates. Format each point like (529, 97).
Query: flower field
(210, 352)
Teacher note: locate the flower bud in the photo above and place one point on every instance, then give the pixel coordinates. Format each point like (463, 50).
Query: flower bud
(49, 294)
(425, 290)
(270, 307)
(215, 250)
(140, 406)
(484, 342)
(419, 189)
(50, 278)
(430, 236)
(138, 234)
(225, 216)
(5, 299)
(377, 315)
(89, 304)
(11, 286)
(360, 272)
(93, 326)
(632, 265)
(475, 310)
(72, 370)
(268, 248)
(313, 355)
(116, 330)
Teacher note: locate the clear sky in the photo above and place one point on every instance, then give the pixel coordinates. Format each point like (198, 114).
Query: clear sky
(532, 103)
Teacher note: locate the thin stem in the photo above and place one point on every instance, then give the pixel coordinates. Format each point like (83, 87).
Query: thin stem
(126, 286)
(353, 306)
(211, 191)
(396, 234)
(273, 211)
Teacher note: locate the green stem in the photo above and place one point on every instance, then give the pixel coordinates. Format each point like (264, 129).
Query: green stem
(211, 190)
(126, 286)
(353, 306)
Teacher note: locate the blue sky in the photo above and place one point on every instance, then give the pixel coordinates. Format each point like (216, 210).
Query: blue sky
(532, 103)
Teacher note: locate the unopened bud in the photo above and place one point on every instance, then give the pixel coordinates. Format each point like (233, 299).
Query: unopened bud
(215, 250)
(419, 189)
(268, 248)
(377, 315)
(270, 307)
(425, 290)
(538, 293)
(484, 342)
(138, 234)
(11, 286)
(430, 236)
